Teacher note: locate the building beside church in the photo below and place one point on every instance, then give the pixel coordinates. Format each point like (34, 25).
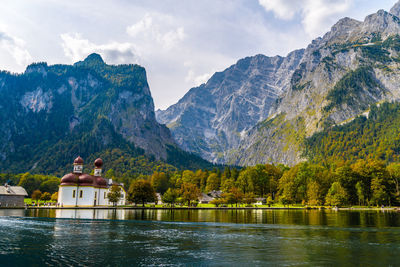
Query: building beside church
(78, 189)
(12, 196)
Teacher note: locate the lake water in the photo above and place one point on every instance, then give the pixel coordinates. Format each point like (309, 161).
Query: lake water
(199, 237)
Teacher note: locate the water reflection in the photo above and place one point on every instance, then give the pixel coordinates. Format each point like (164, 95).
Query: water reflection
(377, 219)
(199, 237)
(98, 214)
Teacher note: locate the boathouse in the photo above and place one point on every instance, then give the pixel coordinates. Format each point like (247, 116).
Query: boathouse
(12, 196)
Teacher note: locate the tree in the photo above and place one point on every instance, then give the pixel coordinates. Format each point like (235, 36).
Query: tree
(114, 195)
(213, 182)
(249, 198)
(141, 191)
(36, 195)
(245, 180)
(394, 172)
(337, 195)
(29, 182)
(189, 177)
(160, 182)
(46, 196)
(379, 190)
(50, 185)
(360, 193)
(287, 187)
(270, 201)
(189, 192)
(202, 177)
(233, 196)
(314, 195)
(228, 184)
(54, 197)
(170, 196)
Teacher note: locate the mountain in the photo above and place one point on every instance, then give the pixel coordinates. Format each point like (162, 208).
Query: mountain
(51, 114)
(335, 79)
(211, 119)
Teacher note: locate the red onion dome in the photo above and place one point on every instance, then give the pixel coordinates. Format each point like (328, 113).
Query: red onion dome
(69, 179)
(101, 182)
(86, 179)
(98, 163)
(78, 161)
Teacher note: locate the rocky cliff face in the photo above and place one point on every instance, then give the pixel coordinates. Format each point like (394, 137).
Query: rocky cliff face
(336, 78)
(80, 109)
(340, 75)
(210, 120)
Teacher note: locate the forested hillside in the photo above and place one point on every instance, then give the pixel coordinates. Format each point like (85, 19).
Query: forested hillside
(374, 137)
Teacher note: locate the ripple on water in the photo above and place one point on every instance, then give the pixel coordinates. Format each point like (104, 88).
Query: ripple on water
(50, 241)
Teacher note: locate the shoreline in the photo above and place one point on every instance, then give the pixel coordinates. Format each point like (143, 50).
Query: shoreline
(395, 209)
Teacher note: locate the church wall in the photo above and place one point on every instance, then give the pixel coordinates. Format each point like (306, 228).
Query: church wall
(65, 195)
(85, 196)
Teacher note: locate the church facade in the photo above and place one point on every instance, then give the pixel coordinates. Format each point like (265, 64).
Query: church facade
(78, 189)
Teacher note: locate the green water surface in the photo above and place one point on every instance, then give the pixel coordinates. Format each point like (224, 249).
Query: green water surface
(199, 238)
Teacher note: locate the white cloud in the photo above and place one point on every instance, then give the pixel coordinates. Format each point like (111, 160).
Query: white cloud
(77, 48)
(16, 47)
(316, 15)
(159, 28)
(197, 80)
(283, 9)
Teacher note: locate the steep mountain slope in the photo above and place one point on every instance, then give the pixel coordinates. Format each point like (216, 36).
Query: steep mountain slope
(211, 119)
(353, 66)
(52, 113)
(241, 118)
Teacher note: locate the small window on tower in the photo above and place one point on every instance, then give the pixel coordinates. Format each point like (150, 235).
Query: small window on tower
(95, 195)
(73, 193)
(80, 194)
(104, 194)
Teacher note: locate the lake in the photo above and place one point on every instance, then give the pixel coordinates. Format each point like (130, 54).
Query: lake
(199, 237)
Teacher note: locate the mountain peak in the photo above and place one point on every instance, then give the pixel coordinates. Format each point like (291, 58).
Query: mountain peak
(395, 10)
(94, 58)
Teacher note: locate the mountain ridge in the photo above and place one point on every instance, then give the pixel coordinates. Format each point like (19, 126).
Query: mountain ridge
(51, 114)
(337, 77)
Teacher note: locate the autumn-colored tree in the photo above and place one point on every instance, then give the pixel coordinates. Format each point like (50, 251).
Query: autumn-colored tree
(233, 196)
(54, 197)
(46, 196)
(189, 192)
(314, 195)
(114, 195)
(141, 191)
(36, 195)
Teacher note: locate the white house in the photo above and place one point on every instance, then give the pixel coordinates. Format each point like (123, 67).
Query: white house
(78, 189)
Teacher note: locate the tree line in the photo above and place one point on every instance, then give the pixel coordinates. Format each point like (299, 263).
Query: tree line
(365, 182)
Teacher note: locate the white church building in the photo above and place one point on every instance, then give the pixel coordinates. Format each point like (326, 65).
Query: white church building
(78, 189)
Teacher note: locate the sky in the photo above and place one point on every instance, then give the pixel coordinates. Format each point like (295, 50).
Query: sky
(180, 43)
